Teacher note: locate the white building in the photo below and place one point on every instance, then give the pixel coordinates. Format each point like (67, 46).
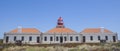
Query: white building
(59, 34)
(26, 35)
(96, 35)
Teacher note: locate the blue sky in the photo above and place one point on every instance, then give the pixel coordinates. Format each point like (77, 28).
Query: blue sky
(43, 14)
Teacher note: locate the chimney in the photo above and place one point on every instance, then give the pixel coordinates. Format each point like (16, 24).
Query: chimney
(102, 29)
(19, 29)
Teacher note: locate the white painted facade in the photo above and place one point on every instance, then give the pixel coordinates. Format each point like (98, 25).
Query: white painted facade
(57, 38)
(60, 36)
(19, 36)
(102, 36)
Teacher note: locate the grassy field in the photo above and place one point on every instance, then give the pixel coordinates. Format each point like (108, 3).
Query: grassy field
(83, 47)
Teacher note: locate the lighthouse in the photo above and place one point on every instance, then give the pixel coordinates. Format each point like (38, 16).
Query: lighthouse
(60, 23)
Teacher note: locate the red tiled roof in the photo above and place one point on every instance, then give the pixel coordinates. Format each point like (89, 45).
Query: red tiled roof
(95, 30)
(26, 30)
(60, 30)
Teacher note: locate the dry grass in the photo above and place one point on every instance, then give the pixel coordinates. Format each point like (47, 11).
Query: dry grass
(85, 47)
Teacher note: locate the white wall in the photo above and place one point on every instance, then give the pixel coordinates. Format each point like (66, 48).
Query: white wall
(59, 35)
(102, 37)
(80, 37)
(26, 38)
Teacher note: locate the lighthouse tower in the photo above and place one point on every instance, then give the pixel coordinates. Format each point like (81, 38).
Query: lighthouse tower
(60, 23)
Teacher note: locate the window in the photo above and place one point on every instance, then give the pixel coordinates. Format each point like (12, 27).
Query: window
(76, 38)
(45, 38)
(7, 39)
(106, 37)
(65, 38)
(51, 38)
(91, 38)
(14, 38)
(22, 38)
(56, 38)
(84, 39)
(98, 37)
(71, 39)
(114, 39)
(30, 38)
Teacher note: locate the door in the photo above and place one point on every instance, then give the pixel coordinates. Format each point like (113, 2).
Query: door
(38, 39)
(61, 39)
(114, 39)
(7, 39)
(84, 39)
